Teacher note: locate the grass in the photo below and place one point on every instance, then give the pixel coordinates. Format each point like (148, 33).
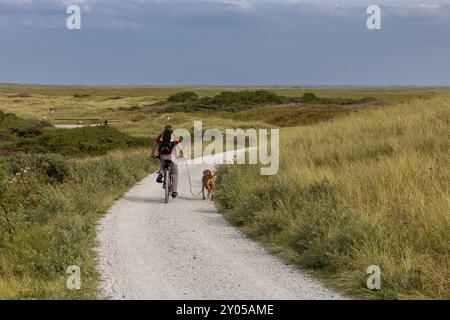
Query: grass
(55, 225)
(368, 189)
(13, 126)
(78, 142)
(360, 183)
(34, 136)
(53, 190)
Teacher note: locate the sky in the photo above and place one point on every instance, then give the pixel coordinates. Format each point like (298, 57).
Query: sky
(226, 42)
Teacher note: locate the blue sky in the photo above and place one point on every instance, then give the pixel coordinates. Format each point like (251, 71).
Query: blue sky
(225, 42)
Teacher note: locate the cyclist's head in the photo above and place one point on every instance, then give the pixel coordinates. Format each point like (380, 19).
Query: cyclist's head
(168, 128)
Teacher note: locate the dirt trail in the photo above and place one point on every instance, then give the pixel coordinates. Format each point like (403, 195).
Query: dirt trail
(187, 250)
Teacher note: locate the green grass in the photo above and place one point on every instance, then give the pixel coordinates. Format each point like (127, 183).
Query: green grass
(34, 136)
(79, 142)
(368, 189)
(12, 126)
(360, 182)
(55, 224)
(236, 102)
(53, 190)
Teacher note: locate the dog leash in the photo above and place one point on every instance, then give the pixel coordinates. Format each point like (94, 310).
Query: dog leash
(190, 181)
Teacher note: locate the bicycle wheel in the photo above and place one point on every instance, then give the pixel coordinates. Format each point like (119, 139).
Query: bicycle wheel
(166, 185)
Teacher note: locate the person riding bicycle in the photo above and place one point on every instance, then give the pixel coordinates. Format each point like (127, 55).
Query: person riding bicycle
(167, 146)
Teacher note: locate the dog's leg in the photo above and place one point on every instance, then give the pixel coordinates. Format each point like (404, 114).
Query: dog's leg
(203, 192)
(209, 192)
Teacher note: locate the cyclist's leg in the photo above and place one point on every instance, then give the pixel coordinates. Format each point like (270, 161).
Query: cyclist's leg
(163, 159)
(174, 175)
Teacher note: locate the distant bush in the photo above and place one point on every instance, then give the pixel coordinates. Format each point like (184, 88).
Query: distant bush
(245, 98)
(228, 101)
(233, 101)
(310, 97)
(186, 96)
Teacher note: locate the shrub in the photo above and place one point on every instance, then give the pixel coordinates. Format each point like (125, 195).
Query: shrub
(308, 96)
(57, 169)
(11, 126)
(245, 98)
(186, 96)
(80, 141)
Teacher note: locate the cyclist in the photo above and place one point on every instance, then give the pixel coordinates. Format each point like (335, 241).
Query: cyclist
(167, 146)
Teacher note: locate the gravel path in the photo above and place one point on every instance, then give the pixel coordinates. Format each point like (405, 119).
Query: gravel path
(187, 250)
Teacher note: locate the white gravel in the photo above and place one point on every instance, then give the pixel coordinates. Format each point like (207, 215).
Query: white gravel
(187, 250)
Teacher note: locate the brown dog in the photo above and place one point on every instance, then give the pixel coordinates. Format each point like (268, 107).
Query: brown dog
(209, 183)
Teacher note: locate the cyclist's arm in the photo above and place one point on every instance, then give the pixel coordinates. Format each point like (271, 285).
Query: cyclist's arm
(181, 150)
(154, 149)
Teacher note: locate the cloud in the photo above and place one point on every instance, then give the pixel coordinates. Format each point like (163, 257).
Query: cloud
(130, 14)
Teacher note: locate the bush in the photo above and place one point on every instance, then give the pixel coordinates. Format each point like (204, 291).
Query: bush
(245, 98)
(368, 189)
(186, 96)
(80, 141)
(57, 169)
(12, 126)
(310, 97)
(229, 101)
(47, 168)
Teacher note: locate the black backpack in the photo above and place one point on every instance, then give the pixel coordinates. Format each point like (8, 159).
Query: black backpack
(166, 145)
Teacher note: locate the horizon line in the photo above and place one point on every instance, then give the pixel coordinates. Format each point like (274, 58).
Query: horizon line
(226, 85)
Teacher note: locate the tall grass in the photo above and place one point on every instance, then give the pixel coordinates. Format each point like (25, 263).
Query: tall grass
(56, 223)
(369, 189)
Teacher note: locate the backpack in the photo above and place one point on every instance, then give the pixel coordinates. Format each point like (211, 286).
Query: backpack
(166, 145)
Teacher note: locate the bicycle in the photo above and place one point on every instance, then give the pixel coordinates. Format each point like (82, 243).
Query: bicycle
(167, 181)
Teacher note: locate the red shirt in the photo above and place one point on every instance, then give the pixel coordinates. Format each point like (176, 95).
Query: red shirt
(175, 142)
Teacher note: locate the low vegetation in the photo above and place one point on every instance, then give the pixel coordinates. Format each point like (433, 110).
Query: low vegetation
(363, 180)
(80, 141)
(49, 208)
(53, 190)
(32, 136)
(185, 96)
(369, 189)
(13, 126)
(242, 100)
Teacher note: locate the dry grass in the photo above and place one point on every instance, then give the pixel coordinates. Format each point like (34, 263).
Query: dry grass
(370, 189)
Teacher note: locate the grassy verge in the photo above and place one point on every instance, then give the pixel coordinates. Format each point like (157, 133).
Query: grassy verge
(368, 189)
(54, 204)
